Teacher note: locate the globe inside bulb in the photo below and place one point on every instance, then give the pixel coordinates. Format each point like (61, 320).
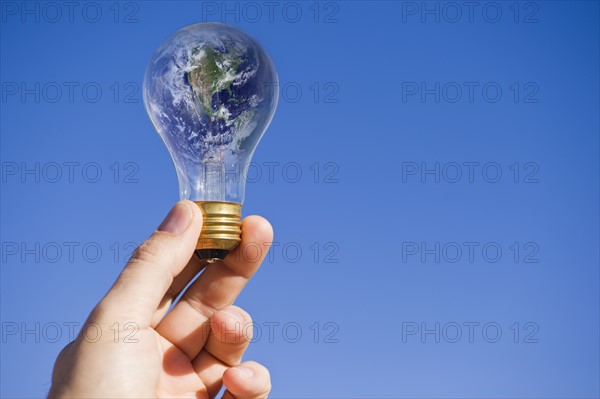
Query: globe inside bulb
(211, 91)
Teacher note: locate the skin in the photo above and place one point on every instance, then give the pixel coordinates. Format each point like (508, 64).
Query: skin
(191, 351)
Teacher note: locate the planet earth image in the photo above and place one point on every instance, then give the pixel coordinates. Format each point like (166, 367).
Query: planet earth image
(210, 91)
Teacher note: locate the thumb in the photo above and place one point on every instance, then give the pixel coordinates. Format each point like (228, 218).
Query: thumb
(149, 273)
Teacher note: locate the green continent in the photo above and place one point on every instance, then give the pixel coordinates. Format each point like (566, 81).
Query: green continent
(215, 72)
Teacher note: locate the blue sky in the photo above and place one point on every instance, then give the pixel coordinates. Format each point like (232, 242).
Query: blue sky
(431, 174)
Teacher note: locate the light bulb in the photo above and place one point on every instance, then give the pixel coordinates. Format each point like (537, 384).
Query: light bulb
(211, 91)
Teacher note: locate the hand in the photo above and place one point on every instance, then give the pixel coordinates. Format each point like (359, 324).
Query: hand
(189, 352)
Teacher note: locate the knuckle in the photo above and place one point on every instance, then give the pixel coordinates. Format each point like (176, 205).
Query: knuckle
(148, 251)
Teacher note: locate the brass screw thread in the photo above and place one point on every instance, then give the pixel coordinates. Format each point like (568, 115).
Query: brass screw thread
(221, 228)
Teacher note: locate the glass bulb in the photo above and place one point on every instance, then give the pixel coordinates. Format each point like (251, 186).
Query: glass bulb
(211, 91)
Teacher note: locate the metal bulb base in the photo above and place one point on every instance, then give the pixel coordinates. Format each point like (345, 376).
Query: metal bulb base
(221, 229)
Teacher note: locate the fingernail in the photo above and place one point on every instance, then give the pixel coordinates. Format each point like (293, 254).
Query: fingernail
(178, 219)
(247, 372)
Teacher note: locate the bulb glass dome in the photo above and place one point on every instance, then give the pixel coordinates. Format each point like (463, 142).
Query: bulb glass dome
(211, 92)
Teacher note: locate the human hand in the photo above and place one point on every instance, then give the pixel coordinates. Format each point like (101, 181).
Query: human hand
(190, 351)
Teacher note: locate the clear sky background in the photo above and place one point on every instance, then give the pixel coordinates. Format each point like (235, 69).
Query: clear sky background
(431, 173)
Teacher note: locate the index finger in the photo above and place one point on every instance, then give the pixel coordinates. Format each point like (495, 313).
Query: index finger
(186, 326)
